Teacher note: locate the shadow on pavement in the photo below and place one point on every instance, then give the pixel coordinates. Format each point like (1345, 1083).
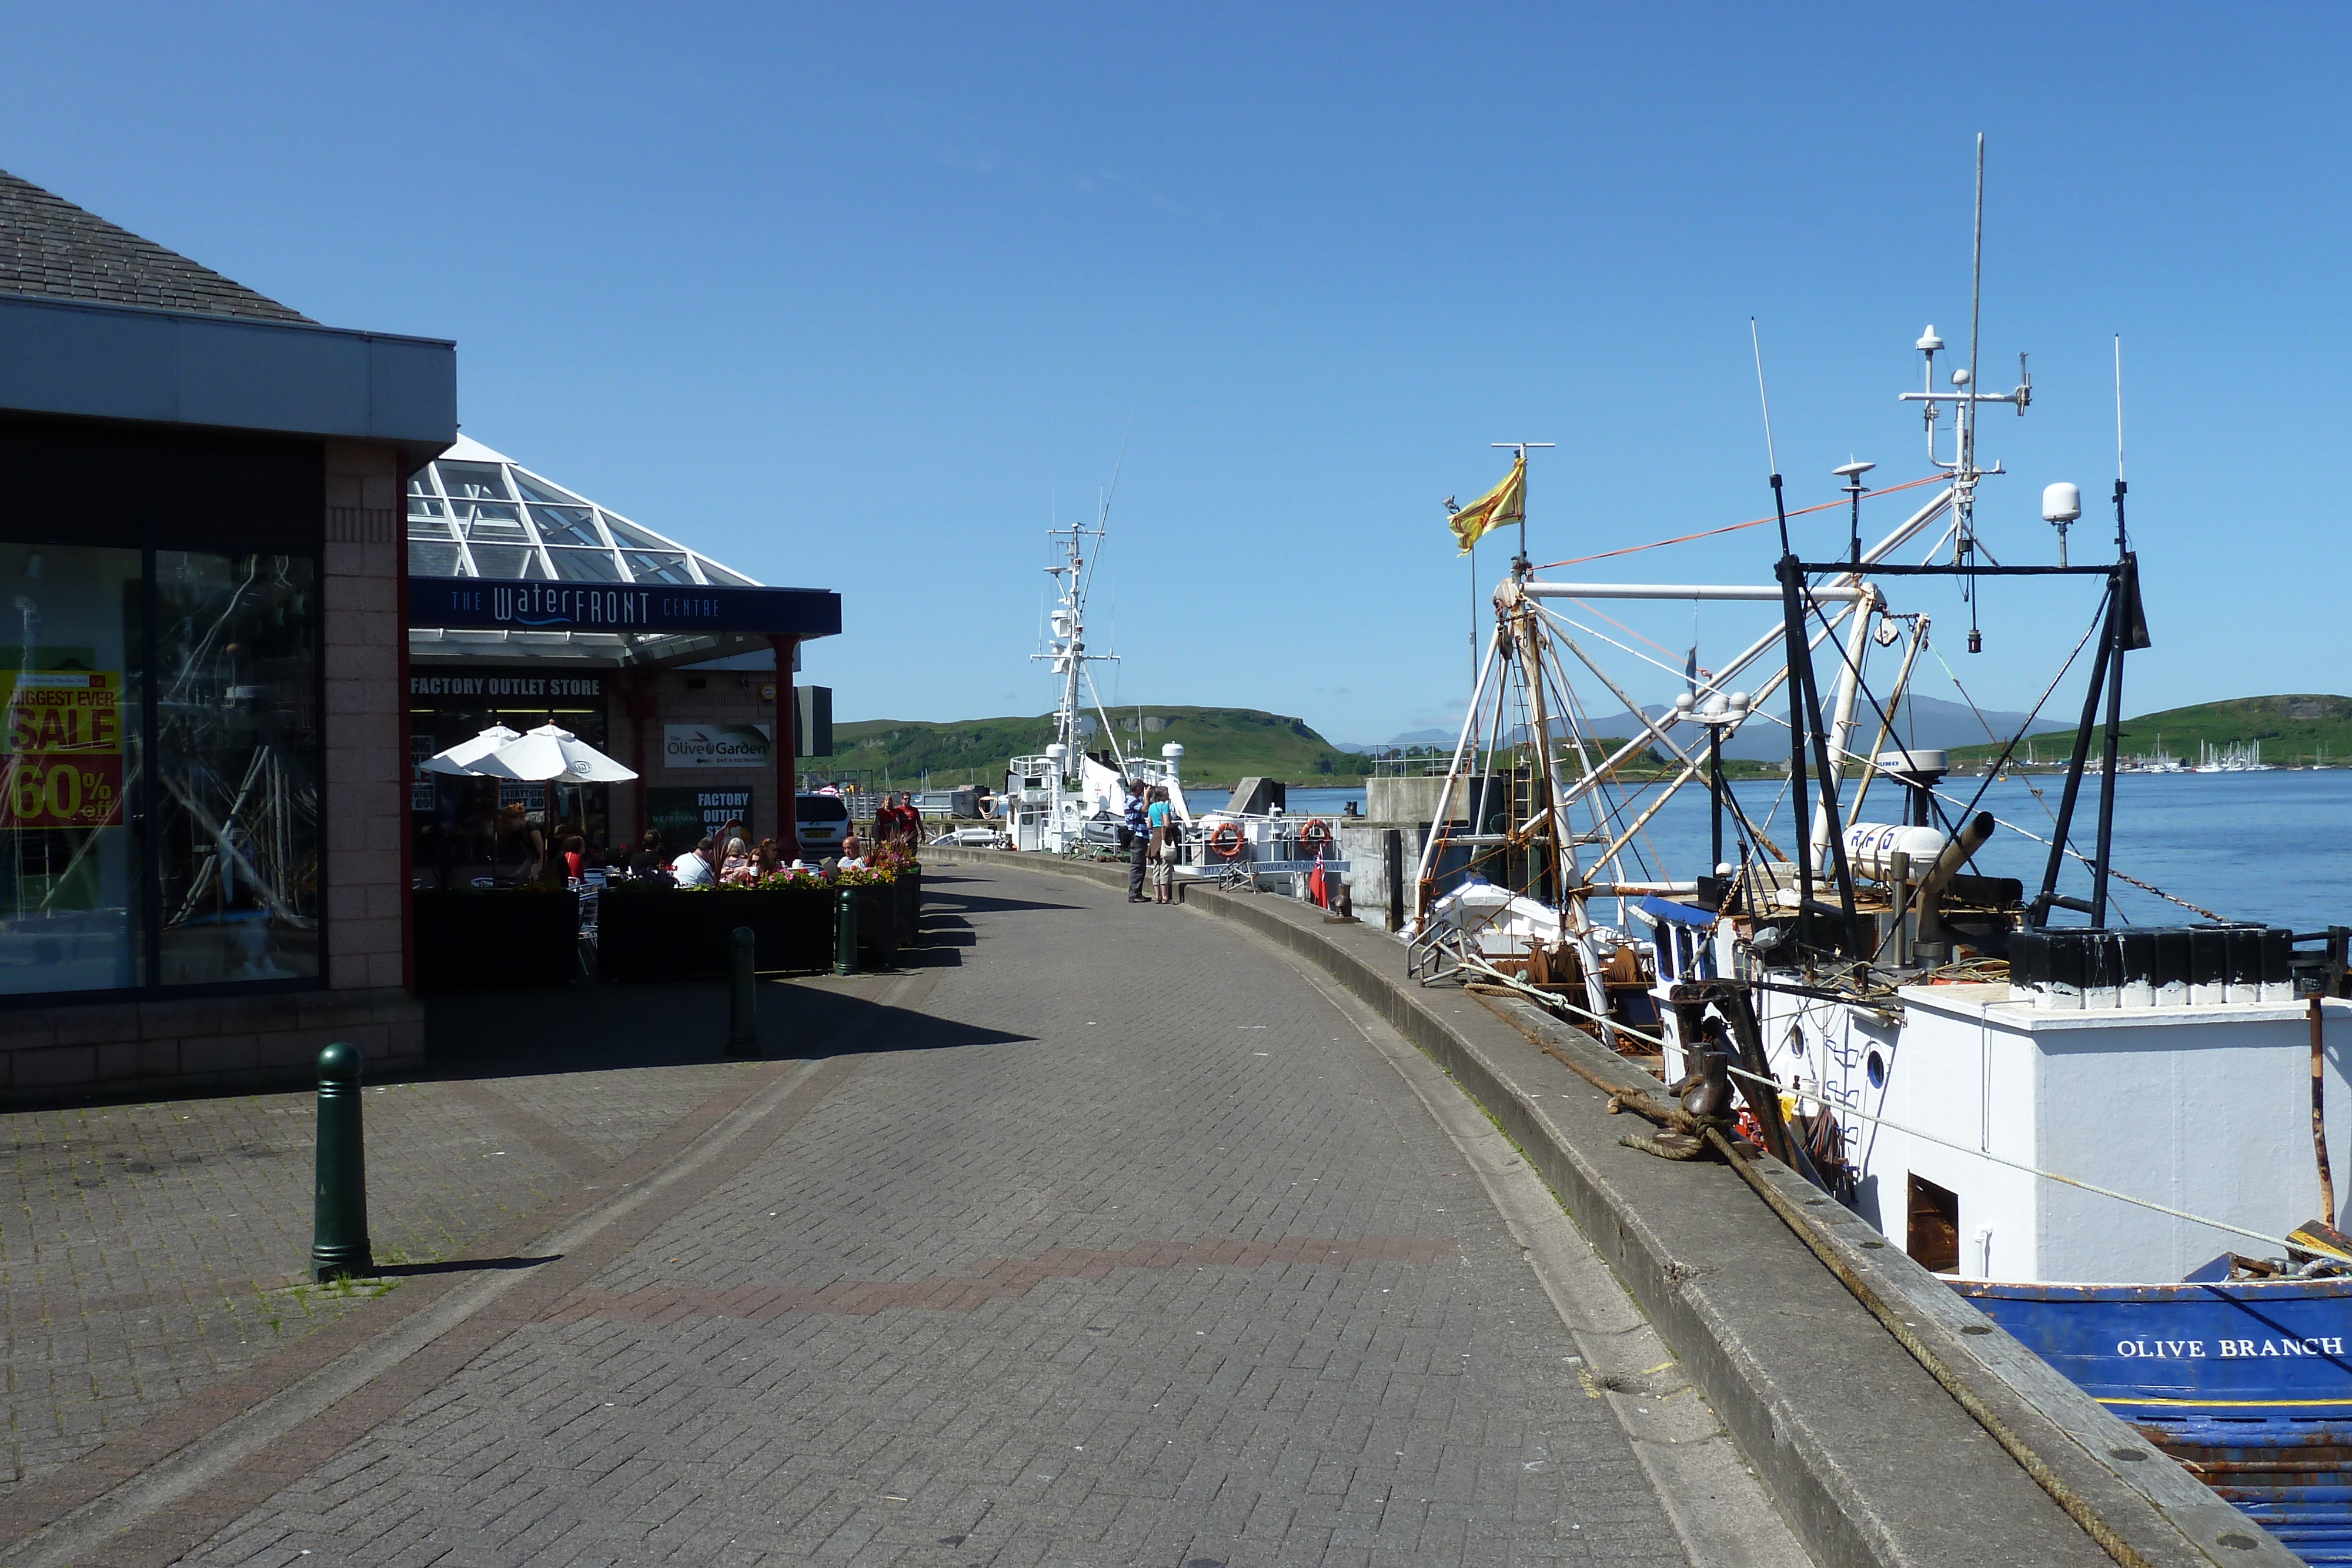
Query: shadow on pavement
(826, 1021)
(458, 1266)
(604, 1025)
(937, 901)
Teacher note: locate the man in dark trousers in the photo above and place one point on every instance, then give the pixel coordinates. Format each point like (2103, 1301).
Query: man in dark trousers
(1139, 839)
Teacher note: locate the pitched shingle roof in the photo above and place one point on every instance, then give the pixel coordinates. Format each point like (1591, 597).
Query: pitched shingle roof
(50, 247)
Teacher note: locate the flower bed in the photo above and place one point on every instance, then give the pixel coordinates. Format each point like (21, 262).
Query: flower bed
(658, 932)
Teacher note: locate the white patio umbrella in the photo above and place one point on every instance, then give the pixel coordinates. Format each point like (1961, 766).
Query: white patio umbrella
(548, 755)
(551, 754)
(460, 759)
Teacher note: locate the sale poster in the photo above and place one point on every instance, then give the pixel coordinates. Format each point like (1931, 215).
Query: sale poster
(61, 749)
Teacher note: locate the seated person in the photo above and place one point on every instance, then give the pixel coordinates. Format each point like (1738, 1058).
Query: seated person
(647, 860)
(692, 869)
(852, 858)
(737, 867)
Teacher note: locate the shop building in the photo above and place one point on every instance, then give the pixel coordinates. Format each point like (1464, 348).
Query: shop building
(531, 604)
(203, 874)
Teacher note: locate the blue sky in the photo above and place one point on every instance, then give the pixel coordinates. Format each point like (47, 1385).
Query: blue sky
(852, 296)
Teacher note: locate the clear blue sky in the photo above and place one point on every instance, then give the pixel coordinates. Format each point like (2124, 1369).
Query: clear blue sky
(847, 296)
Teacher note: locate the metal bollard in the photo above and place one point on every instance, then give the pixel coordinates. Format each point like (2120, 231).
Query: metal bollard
(742, 998)
(338, 1238)
(845, 954)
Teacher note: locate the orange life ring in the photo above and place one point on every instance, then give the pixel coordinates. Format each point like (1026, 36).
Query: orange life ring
(1226, 847)
(1315, 836)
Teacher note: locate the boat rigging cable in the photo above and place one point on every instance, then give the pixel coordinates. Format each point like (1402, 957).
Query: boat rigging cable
(1942, 797)
(1992, 770)
(1734, 527)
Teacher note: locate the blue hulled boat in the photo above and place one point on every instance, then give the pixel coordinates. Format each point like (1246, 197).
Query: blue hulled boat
(2247, 1382)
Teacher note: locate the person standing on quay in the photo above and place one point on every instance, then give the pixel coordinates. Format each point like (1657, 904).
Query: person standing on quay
(1139, 839)
(1162, 818)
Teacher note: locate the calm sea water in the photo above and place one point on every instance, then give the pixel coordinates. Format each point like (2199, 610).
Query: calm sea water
(2275, 847)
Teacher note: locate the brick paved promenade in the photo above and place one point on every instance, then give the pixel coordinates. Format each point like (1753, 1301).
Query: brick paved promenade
(1098, 1236)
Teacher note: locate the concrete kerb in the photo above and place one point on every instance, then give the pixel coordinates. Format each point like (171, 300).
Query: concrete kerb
(1870, 1458)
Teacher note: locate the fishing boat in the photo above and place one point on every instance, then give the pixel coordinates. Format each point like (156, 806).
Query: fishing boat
(1069, 798)
(2114, 1138)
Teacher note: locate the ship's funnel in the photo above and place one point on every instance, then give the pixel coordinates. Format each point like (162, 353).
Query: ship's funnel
(1971, 838)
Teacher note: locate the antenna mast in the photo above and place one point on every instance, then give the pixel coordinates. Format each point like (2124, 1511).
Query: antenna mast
(2123, 541)
(1519, 566)
(1066, 649)
(1964, 397)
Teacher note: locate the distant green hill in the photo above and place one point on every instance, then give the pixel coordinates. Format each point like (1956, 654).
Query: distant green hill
(1221, 744)
(2294, 728)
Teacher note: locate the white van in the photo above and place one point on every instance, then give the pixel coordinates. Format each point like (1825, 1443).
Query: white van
(823, 822)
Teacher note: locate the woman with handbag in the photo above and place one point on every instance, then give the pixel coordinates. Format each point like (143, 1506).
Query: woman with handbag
(1167, 844)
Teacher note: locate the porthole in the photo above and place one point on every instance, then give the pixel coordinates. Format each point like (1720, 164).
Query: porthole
(1876, 1067)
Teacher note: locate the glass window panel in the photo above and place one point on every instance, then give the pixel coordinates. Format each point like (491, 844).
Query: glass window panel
(567, 525)
(428, 529)
(237, 756)
(586, 565)
(500, 530)
(473, 481)
(425, 507)
(488, 512)
(719, 574)
(541, 491)
(432, 561)
(71, 674)
(421, 482)
(505, 560)
(648, 566)
(628, 534)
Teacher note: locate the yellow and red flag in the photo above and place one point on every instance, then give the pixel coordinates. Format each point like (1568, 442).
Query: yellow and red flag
(1506, 503)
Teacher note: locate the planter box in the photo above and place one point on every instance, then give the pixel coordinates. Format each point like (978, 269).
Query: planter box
(887, 915)
(468, 939)
(663, 934)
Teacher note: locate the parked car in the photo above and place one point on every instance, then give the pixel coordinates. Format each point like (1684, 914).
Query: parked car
(823, 822)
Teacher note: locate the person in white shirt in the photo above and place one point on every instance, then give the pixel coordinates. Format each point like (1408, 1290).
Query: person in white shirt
(692, 869)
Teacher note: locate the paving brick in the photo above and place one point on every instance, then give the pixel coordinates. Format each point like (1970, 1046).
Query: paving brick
(1122, 1249)
(150, 1252)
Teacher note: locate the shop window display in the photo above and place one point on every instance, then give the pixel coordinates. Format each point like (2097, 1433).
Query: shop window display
(237, 724)
(159, 834)
(71, 906)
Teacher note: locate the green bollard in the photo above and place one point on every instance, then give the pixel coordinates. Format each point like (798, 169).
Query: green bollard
(338, 1238)
(742, 998)
(845, 955)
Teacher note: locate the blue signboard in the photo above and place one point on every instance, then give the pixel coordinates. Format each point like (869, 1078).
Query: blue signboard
(505, 605)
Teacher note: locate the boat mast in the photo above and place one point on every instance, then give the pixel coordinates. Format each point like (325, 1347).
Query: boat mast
(1067, 645)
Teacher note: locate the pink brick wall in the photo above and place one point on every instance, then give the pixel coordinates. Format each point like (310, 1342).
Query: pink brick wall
(726, 696)
(366, 804)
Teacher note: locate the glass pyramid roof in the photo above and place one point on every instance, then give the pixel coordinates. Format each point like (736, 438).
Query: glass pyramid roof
(473, 512)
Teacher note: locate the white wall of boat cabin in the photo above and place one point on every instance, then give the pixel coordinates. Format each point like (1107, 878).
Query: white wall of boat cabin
(2203, 1109)
(1972, 1086)
(1940, 1076)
